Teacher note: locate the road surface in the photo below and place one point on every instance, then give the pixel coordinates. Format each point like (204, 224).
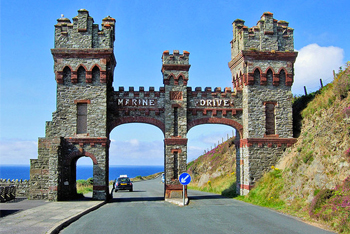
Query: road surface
(145, 211)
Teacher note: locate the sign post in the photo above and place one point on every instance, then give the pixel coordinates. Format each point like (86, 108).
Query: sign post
(184, 179)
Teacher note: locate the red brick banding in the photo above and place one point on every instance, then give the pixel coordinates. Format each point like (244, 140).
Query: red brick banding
(248, 142)
(175, 141)
(78, 154)
(137, 119)
(99, 187)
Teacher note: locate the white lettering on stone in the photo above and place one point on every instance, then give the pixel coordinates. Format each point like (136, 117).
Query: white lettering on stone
(120, 102)
(215, 102)
(226, 103)
(136, 102)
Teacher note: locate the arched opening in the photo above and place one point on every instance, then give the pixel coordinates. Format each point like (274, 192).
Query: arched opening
(282, 77)
(256, 77)
(81, 75)
(67, 75)
(212, 157)
(269, 77)
(136, 150)
(84, 176)
(95, 75)
(205, 137)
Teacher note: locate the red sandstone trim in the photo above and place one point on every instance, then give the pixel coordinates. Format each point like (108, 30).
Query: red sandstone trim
(176, 67)
(166, 81)
(87, 101)
(176, 151)
(175, 141)
(82, 53)
(99, 187)
(138, 119)
(263, 55)
(268, 141)
(214, 120)
(246, 186)
(78, 154)
(176, 105)
(89, 140)
(173, 187)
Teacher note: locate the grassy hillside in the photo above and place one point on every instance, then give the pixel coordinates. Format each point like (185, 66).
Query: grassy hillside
(215, 170)
(312, 179)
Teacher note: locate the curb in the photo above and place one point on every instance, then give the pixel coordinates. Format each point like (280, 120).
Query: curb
(177, 201)
(64, 223)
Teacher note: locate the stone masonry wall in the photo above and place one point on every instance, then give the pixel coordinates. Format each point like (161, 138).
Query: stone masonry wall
(64, 119)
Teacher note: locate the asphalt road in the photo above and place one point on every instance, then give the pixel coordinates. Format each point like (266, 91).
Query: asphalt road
(145, 211)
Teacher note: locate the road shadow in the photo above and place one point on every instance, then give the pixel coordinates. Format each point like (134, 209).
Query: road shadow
(206, 197)
(4, 213)
(136, 199)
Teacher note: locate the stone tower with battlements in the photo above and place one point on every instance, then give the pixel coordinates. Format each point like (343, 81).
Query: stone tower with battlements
(262, 67)
(83, 65)
(175, 69)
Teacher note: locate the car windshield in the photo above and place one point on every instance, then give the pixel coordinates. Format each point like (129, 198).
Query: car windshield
(124, 180)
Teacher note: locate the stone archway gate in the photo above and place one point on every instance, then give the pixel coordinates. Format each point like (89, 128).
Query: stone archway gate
(88, 108)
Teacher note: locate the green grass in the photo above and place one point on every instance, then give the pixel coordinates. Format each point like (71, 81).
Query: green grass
(224, 185)
(84, 186)
(267, 191)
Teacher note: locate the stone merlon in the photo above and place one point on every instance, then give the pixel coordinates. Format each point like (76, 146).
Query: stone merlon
(83, 33)
(268, 35)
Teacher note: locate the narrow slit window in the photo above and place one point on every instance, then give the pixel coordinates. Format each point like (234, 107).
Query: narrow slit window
(176, 131)
(270, 118)
(176, 165)
(81, 118)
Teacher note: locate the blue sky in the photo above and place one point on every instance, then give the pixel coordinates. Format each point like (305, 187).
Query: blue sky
(144, 29)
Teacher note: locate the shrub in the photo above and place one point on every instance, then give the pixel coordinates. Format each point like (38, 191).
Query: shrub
(342, 83)
(319, 200)
(333, 206)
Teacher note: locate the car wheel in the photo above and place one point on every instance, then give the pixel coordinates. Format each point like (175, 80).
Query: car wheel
(116, 190)
(130, 190)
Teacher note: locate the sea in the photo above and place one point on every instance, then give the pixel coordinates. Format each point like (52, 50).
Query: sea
(83, 172)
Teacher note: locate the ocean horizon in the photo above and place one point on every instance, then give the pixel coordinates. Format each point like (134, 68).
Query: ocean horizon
(18, 172)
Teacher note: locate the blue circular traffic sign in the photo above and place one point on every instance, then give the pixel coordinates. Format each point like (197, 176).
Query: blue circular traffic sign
(185, 178)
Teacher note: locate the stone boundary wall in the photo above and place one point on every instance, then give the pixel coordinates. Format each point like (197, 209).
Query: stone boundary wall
(22, 186)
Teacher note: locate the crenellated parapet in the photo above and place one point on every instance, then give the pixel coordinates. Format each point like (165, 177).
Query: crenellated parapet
(131, 105)
(175, 67)
(269, 34)
(83, 33)
(262, 55)
(214, 106)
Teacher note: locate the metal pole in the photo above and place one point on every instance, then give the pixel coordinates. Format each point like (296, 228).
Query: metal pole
(184, 193)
